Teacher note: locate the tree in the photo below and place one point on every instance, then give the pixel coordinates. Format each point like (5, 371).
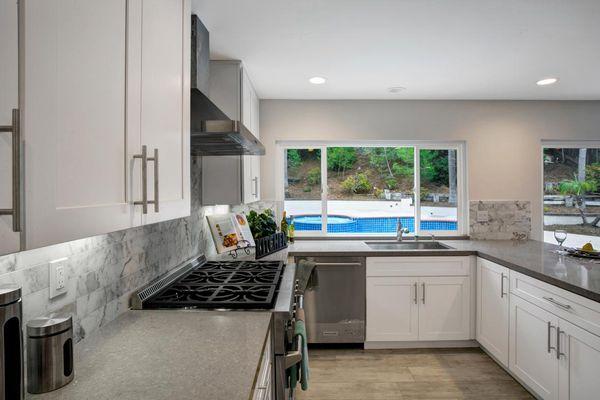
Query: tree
(340, 159)
(452, 176)
(581, 165)
(578, 189)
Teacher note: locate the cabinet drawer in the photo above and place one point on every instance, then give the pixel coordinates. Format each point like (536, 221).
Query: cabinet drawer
(263, 380)
(418, 266)
(571, 307)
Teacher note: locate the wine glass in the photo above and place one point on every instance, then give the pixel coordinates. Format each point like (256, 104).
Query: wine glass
(560, 236)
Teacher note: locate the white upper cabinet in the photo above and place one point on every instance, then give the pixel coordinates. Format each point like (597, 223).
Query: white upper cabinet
(9, 100)
(165, 102)
(74, 122)
(493, 309)
(94, 103)
(232, 179)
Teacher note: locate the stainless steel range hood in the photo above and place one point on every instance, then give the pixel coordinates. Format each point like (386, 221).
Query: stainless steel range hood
(212, 132)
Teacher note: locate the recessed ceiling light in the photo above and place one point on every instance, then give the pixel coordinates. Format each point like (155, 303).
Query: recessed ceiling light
(317, 80)
(547, 81)
(396, 89)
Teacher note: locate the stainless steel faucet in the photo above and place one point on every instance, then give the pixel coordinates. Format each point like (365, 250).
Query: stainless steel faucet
(400, 230)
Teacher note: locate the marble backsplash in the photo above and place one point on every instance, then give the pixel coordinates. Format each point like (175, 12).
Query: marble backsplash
(500, 220)
(103, 271)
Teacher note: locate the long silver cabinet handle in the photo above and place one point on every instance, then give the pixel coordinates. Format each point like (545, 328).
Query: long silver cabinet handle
(144, 202)
(423, 287)
(15, 130)
(144, 157)
(550, 327)
(255, 179)
(155, 160)
(556, 303)
(416, 295)
(558, 352)
(502, 285)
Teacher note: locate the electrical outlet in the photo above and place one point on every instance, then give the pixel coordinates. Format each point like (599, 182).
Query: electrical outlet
(58, 277)
(483, 216)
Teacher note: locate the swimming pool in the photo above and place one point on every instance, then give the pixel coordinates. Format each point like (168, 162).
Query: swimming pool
(345, 224)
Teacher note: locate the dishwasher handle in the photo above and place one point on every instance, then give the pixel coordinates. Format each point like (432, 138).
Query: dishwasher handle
(338, 264)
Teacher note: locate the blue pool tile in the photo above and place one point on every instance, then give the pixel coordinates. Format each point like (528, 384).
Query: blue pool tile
(343, 224)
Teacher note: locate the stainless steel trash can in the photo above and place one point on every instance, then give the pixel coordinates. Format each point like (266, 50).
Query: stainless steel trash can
(49, 354)
(11, 343)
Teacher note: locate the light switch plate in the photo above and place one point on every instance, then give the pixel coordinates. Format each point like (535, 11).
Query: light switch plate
(483, 216)
(58, 277)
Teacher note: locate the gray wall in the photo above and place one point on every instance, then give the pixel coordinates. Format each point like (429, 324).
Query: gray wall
(503, 137)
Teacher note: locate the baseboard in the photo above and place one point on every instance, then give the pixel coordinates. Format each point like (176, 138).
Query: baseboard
(437, 344)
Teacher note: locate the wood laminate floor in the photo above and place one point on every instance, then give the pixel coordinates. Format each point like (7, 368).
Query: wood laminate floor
(356, 374)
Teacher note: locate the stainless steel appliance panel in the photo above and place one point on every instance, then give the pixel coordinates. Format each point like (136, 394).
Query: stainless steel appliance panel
(335, 309)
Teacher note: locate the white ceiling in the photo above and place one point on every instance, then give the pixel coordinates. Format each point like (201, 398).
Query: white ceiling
(437, 49)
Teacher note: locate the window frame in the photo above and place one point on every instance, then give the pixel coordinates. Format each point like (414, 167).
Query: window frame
(461, 180)
(558, 144)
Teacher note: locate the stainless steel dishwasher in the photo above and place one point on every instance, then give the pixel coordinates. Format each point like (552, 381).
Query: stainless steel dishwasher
(335, 309)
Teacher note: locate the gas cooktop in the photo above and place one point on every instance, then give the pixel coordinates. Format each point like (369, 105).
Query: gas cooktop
(223, 284)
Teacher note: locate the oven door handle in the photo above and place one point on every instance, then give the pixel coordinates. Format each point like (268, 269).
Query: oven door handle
(337, 264)
(294, 357)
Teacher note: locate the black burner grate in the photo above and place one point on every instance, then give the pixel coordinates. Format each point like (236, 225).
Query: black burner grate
(228, 284)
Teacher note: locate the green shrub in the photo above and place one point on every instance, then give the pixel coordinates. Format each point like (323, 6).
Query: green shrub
(307, 189)
(592, 173)
(340, 158)
(402, 170)
(575, 187)
(358, 184)
(314, 176)
(293, 159)
(391, 183)
(434, 166)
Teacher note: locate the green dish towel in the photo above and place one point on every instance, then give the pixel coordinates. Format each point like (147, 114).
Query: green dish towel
(307, 275)
(300, 372)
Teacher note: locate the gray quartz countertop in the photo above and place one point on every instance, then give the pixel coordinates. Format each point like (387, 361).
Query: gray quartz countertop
(536, 259)
(169, 354)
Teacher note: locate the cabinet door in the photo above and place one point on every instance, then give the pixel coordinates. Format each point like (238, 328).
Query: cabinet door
(251, 164)
(533, 347)
(444, 308)
(9, 99)
(255, 103)
(492, 309)
(74, 122)
(579, 361)
(392, 310)
(165, 115)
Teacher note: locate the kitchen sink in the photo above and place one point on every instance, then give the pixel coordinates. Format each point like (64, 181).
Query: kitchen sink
(407, 245)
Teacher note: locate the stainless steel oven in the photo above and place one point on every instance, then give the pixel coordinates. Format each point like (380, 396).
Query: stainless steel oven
(335, 308)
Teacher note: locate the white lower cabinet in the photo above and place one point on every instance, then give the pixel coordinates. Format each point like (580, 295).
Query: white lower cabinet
(392, 309)
(493, 309)
(549, 353)
(404, 306)
(444, 309)
(578, 364)
(533, 347)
